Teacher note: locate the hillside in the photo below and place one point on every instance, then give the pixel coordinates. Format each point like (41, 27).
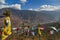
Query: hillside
(30, 17)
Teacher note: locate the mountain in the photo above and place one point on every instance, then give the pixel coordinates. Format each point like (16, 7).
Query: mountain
(18, 17)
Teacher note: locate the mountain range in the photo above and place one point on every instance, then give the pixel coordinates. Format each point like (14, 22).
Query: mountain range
(29, 17)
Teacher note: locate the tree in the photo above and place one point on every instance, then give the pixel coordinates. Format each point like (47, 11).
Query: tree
(7, 12)
(38, 25)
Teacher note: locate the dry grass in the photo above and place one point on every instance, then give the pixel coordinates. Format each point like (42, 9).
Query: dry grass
(44, 37)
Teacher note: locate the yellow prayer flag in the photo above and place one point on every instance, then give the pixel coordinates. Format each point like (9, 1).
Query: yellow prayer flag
(7, 28)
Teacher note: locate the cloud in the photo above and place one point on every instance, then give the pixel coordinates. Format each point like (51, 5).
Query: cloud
(47, 8)
(23, 1)
(15, 6)
(30, 9)
(4, 5)
(2, 1)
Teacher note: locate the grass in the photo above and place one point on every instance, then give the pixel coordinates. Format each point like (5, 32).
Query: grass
(43, 37)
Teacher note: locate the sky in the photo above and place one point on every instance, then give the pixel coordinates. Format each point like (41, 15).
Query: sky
(36, 5)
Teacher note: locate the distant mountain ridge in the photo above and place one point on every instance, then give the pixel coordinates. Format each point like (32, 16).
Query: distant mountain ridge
(34, 17)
